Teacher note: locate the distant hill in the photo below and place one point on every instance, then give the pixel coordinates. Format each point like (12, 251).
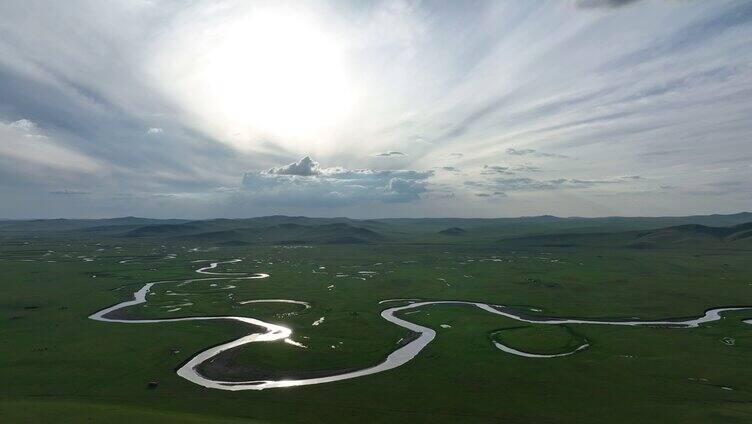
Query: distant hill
(690, 235)
(80, 224)
(694, 233)
(162, 229)
(524, 231)
(453, 231)
(234, 232)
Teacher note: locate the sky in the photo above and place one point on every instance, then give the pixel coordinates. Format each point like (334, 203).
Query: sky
(191, 109)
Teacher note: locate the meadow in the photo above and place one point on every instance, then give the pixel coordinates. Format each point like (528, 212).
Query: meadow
(59, 366)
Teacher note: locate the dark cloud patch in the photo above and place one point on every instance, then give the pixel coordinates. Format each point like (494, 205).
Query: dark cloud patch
(707, 192)
(532, 152)
(390, 153)
(609, 4)
(526, 168)
(66, 192)
(660, 153)
(726, 184)
(492, 194)
(496, 170)
(450, 169)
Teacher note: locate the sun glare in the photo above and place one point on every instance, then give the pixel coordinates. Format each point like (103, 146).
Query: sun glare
(267, 74)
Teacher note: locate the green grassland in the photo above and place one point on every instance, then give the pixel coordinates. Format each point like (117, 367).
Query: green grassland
(58, 366)
(540, 339)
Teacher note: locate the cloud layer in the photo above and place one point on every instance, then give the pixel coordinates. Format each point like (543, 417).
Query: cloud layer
(575, 107)
(305, 183)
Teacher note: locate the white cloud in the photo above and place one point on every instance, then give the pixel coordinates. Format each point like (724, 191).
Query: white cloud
(305, 182)
(25, 125)
(304, 167)
(154, 131)
(27, 149)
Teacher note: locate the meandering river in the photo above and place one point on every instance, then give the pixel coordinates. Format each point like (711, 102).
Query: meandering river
(398, 357)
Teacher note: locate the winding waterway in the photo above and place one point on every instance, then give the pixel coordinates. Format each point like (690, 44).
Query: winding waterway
(398, 357)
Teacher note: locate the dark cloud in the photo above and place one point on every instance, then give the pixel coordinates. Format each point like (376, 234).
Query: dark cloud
(495, 169)
(67, 192)
(661, 153)
(390, 153)
(704, 193)
(496, 194)
(592, 4)
(525, 168)
(508, 170)
(727, 184)
(532, 152)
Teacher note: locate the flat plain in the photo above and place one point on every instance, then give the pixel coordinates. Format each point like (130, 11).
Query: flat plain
(57, 365)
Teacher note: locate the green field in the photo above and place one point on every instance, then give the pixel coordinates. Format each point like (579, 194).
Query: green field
(57, 365)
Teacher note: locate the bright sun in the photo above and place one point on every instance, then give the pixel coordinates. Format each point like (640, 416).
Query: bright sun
(265, 74)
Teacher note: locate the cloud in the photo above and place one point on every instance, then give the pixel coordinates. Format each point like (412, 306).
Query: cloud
(661, 153)
(529, 184)
(304, 167)
(496, 169)
(532, 152)
(612, 4)
(658, 89)
(494, 195)
(508, 170)
(390, 153)
(727, 183)
(66, 192)
(154, 131)
(305, 182)
(450, 169)
(22, 142)
(403, 190)
(526, 168)
(25, 125)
